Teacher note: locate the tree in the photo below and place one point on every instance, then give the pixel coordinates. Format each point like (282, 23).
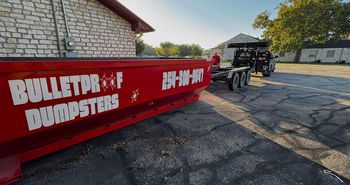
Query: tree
(149, 51)
(140, 45)
(170, 49)
(262, 21)
(167, 49)
(174, 50)
(196, 50)
(300, 23)
(184, 50)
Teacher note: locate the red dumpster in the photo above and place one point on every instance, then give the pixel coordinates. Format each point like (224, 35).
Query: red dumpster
(51, 104)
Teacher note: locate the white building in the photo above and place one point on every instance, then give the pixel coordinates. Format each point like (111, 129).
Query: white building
(240, 38)
(331, 52)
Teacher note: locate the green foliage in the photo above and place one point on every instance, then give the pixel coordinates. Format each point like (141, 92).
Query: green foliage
(175, 50)
(303, 22)
(149, 51)
(196, 50)
(184, 50)
(167, 49)
(262, 20)
(140, 46)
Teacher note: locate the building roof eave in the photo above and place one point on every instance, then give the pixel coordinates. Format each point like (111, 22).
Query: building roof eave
(331, 44)
(138, 25)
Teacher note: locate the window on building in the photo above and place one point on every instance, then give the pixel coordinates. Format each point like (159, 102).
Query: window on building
(330, 53)
(313, 53)
(282, 54)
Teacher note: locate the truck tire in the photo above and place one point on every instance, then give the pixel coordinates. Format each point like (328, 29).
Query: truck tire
(266, 73)
(234, 84)
(243, 78)
(249, 76)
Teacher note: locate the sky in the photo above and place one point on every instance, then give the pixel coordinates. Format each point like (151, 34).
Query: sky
(204, 22)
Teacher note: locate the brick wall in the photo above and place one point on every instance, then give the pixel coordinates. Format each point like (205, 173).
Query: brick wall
(27, 29)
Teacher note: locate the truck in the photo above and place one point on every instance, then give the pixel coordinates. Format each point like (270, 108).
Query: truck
(48, 104)
(248, 58)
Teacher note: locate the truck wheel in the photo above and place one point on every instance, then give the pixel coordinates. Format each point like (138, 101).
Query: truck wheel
(266, 73)
(243, 78)
(233, 85)
(249, 76)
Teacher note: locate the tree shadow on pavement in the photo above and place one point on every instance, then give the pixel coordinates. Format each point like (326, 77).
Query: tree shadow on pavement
(321, 104)
(311, 113)
(305, 105)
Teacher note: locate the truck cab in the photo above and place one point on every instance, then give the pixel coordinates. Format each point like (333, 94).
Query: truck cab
(266, 62)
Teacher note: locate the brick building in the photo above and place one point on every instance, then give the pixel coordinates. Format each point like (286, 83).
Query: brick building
(53, 28)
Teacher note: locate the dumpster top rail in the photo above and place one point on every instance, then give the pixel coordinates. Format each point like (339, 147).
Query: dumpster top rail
(91, 58)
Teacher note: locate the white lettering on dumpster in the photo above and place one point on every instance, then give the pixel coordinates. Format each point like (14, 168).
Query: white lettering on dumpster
(37, 89)
(53, 88)
(182, 78)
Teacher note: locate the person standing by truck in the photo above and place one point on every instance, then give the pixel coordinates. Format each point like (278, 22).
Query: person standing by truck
(216, 59)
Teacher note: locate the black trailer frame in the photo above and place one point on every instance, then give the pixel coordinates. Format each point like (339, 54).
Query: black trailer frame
(258, 60)
(234, 77)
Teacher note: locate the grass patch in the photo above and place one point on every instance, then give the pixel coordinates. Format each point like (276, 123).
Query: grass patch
(311, 63)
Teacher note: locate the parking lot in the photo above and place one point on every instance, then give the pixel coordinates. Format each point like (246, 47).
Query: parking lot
(290, 128)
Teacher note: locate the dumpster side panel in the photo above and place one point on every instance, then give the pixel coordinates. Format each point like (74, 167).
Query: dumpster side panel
(50, 105)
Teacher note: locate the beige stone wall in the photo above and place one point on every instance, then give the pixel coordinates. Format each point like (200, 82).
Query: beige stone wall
(314, 54)
(27, 29)
(321, 54)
